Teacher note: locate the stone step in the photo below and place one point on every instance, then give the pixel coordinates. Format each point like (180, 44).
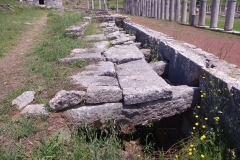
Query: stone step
(140, 83)
(99, 69)
(88, 54)
(183, 98)
(123, 54)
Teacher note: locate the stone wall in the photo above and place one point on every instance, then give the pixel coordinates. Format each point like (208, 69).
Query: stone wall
(53, 3)
(189, 65)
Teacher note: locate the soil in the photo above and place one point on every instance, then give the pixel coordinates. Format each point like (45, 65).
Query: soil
(13, 74)
(222, 45)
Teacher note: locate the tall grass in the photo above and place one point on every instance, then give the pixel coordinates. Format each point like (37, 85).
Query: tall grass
(13, 24)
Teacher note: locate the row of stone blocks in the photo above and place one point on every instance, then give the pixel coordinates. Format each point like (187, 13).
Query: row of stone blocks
(121, 85)
(189, 65)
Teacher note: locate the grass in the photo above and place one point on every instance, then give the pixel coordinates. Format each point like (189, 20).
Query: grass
(221, 22)
(13, 24)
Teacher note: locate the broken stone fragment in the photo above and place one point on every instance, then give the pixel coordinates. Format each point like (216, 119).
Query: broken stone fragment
(103, 94)
(35, 109)
(87, 19)
(65, 99)
(160, 67)
(24, 99)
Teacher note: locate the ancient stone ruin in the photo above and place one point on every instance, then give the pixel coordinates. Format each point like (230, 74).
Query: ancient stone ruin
(52, 3)
(170, 10)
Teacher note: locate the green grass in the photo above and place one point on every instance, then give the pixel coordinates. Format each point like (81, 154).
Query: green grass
(55, 45)
(13, 25)
(221, 22)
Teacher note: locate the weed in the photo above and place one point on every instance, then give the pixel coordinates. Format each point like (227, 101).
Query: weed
(79, 64)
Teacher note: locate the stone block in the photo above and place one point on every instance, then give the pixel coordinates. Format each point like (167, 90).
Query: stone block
(24, 99)
(123, 54)
(103, 94)
(65, 99)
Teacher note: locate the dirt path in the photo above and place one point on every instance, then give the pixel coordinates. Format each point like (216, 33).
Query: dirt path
(13, 74)
(224, 46)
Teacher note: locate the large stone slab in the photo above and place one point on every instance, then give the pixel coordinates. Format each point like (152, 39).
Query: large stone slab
(120, 40)
(102, 45)
(123, 54)
(24, 99)
(35, 109)
(85, 50)
(100, 69)
(65, 99)
(160, 67)
(97, 37)
(140, 83)
(109, 30)
(183, 98)
(90, 57)
(86, 81)
(94, 114)
(103, 94)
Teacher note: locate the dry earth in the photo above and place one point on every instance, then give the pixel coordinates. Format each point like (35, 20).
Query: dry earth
(224, 46)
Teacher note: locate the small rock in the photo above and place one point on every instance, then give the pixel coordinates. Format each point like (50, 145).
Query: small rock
(87, 19)
(35, 109)
(65, 99)
(113, 35)
(24, 99)
(102, 44)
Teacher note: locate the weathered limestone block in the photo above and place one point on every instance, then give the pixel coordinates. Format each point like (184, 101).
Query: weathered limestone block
(123, 54)
(109, 30)
(113, 35)
(120, 41)
(35, 109)
(94, 114)
(140, 83)
(102, 44)
(65, 99)
(146, 53)
(97, 37)
(107, 24)
(141, 114)
(85, 50)
(100, 69)
(112, 17)
(89, 54)
(24, 99)
(87, 19)
(160, 67)
(86, 81)
(103, 94)
(183, 97)
(76, 30)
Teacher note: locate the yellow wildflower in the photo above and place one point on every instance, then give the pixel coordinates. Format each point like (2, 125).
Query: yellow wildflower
(190, 149)
(191, 145)
(206, 119)
(196, 116)
(203, 126)
(231, 94)
(202, 156)
(176, 156)
(189, 153)
(196, 123)
(198, 106)
(194, 127)
(202, 137)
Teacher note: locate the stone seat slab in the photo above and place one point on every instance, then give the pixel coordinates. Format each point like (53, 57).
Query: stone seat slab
(96, 37)
(91, 57)
(123, 54)
(100, 69)
(103, 94)
(140, 83)
(87, 81)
